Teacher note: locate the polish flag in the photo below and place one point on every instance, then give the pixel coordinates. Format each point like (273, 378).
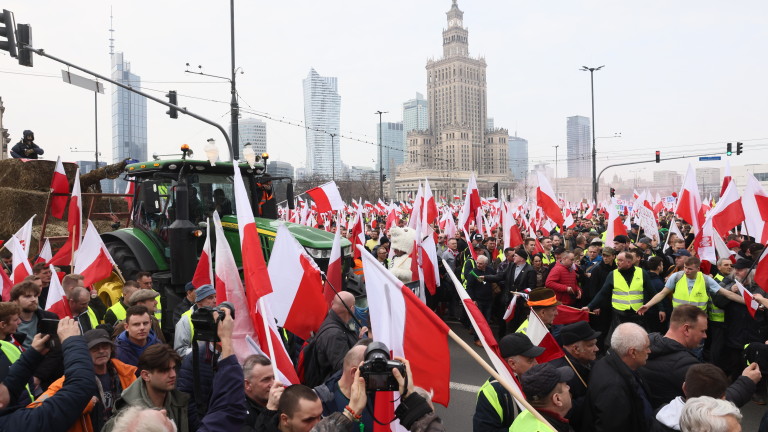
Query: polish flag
(728, 212)
(689, 202)
(45, 253)
(568, 222)
(334, 274)
(545, 198)
(430, 277)
(418, 206)
(20, 267)
(569, 315)
(512, 236)
(24, 235)
(204, 270)
(429, 207)
(590, 211)
(450, 226)
(539, 335)
(472, 250)
(727, 179)
(59, 190)
(57, 300)
(755, 203)
(130, 189)
(749, 299)
(468, 211)
(391, 217)
(761, 270)
(257, 285)
(7, 284)
(297, 303)
(509, 314)
(64, 256)
(410, 330)
(357, 232)
(615, 225)
(485, 334)
(327, 197)
(673, 229)
(92, 259)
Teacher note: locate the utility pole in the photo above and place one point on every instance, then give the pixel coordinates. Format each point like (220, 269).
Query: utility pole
(333, 158)
(233, 106)
(381, 162)
(594, 152)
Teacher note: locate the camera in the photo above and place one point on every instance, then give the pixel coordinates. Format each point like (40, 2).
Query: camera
(377, 369)
(49, 326)
(205, 326)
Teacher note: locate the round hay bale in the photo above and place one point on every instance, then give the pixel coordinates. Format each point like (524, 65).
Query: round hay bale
(18, 206)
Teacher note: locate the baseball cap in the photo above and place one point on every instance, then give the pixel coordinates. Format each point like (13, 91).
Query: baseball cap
(518, 344)
(477, 237)
(540, 380)
(621, 239)
(681, 252)
(141, 295)
(578, 331)
(743, 263)
(204, 291)
(97, 336)
(732, 244)
(645, 240)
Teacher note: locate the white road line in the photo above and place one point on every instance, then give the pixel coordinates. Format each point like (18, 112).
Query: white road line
(465, 387)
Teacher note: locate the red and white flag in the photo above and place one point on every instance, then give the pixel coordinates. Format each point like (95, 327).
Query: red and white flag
(297, 302)
(429, 208)
(755, 204)
(468, 211)
(615, 226)
(65, 255)
(334, 274)
(727, 179)
(92, 259)
(20, 267)
(24, 235)
(590, 212)
(539, 335)
(673, 229)
(57, 301)
(409, 329)
(568, 221)
(689, 202)
(7, 284)
(509, 314)
(545, 198)
(257, 285)
(130, 189)
(761, 270)
(728, 212)
(326, 197)
(45, 254)
(59, 190)
(204, 270)
(749, 299)
(357, 232)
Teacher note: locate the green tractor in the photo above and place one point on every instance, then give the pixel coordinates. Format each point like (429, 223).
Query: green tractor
(171, 205)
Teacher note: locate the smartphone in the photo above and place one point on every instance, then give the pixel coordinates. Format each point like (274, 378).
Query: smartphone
(49, 326)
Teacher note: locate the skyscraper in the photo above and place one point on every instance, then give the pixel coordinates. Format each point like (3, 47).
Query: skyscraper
(322, 107)
(253, 131)
(392, 150)
(518, 157)
(578, 140)
(457, 141)
(414, 115)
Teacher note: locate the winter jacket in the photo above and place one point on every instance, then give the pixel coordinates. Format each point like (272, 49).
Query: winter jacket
(668, 416)
(495, 410)
(185, 380)
(334, 339)
(52, 366)
(254, 412)
(559, 279)
(226, 409)
(128, 352)
(741, 328)
(400, 266)
(19, 151)
(63, 409)
(526, 278)
(613, 402)
(126, 375)
(577, 388)
(666, 368)
(479, 290)
(334, 401)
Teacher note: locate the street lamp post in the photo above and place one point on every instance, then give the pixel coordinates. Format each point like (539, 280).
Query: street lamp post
(333, 158)
(381, 163)
(594, 152)
(233, 105)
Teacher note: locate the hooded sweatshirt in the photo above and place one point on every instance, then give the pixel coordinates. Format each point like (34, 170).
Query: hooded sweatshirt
(128, 352)
(669, 415)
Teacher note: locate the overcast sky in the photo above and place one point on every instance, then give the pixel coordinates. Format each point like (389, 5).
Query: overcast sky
(683, 77)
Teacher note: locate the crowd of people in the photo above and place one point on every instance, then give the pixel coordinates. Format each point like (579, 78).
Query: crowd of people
(667, 346)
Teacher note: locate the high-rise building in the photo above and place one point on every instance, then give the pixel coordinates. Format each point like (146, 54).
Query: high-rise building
(391, 139)
(489, 123)
(578, 140)
(280, 169)
(518, 157)
(414, 115)
(252, 131)
(457, 141)
(322, 108)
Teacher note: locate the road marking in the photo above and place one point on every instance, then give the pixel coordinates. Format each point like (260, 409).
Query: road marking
(465, 387)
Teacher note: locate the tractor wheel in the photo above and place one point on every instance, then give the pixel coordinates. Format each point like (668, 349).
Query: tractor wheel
(124, 258)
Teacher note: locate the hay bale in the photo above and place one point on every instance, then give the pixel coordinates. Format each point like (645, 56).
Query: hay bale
(32, 175)
(17, 207)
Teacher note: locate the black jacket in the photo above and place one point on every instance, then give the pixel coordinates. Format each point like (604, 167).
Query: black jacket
(52, 367)
(612, 401)
(253, 414)
(526, 278)
(64, 408)
(666, 368)
(19, 151)
(578, 389)
(486, 418)
(334, 339)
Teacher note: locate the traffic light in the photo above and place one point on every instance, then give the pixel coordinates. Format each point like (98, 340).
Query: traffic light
(739, 148)
(173, 112)
(658, 156)
(383, 177)
(496, 190)
(8, 31)
(613, 192)
(5, 139)
(729, 149)
(24, 34)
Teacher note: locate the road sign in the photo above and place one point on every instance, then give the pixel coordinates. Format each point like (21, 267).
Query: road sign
(83, 82)
(709, 158)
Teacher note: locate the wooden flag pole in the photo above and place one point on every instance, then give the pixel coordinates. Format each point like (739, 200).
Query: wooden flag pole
(267, 331)
(498, 378)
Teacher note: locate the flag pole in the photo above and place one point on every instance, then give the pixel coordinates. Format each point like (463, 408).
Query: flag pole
(268, 335)
(497, 377)
(336, 293)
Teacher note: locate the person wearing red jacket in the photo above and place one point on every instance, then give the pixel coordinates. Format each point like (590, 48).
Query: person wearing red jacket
(563, 280)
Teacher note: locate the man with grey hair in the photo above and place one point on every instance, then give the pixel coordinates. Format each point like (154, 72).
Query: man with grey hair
(706, 414)
(617, 397)
(480, 291)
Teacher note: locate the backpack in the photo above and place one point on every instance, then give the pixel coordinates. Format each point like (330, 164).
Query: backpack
(308, 368)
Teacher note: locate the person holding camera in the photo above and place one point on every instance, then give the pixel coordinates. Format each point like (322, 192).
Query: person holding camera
(205, 296)
(63, 409)
(155, 392)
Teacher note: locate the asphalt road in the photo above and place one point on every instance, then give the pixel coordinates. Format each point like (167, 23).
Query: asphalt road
(467, 376)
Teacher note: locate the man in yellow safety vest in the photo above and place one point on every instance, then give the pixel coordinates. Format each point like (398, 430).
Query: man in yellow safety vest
(546, 389)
